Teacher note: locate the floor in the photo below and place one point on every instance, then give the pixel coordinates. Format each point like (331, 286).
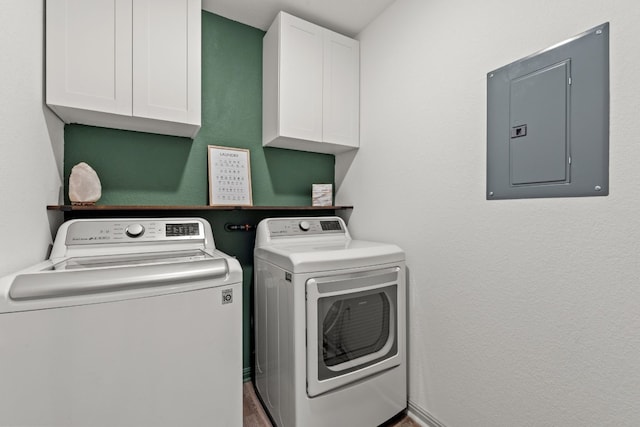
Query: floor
(252, 412)
(254, 415)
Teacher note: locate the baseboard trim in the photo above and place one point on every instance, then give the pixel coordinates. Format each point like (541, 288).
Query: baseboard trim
(421, 415)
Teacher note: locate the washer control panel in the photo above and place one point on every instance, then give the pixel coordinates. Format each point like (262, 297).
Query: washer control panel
(114, 231)
(303, 226)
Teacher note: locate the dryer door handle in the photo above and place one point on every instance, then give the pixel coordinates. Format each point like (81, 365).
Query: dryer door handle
(56, 284)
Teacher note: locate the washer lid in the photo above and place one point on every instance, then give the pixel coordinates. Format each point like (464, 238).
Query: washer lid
(123, 260)
(327, 256)
(92, 280)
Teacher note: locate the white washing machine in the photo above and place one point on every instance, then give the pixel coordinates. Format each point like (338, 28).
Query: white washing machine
(330, 325)
(131, 322)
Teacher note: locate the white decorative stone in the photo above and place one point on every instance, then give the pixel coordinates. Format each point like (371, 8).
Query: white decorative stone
(84, 185)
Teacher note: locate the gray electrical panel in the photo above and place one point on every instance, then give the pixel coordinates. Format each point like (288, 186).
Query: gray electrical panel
(548, 122)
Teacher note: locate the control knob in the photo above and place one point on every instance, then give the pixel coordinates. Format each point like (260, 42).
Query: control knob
(135, 230)
(304, 225)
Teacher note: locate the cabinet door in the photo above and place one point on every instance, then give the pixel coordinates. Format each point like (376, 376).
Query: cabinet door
(89, 54)
(341, 90)
(166, 60)
(300, 79)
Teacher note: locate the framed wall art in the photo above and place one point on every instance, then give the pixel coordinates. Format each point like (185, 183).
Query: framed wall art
(229, 176)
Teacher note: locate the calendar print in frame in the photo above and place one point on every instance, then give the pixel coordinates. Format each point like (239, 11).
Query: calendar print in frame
(229, 176)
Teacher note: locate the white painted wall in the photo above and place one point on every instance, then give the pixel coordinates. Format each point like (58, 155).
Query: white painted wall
(31, 146)
(523, 312)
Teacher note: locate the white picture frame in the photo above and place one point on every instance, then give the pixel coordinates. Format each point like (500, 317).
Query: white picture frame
(229, 176)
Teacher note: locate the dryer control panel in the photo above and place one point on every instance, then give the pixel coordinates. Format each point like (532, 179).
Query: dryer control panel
(305, 226)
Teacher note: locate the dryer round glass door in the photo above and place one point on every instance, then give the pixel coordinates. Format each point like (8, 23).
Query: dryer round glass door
(352, 327)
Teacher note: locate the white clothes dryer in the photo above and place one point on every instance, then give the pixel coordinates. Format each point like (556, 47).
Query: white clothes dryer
(131, 322)
(330, 325)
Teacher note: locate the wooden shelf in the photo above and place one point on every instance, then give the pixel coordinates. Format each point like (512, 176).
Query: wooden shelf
(115, 208)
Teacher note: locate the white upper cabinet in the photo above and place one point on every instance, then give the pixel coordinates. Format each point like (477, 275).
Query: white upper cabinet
(125, 64)
(89, 54)
(310, 87)
(341, 90)
(300, 79)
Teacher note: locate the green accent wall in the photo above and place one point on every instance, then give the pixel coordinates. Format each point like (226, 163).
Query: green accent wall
(146, 169)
